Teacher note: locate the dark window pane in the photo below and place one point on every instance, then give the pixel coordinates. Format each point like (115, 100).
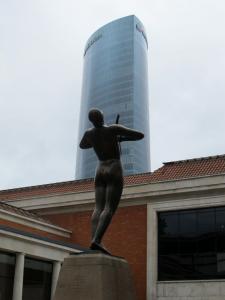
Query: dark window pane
(175, 267)
(187, 232)
(187, 266)
(188, 223)
(168, 224)
(220, 242)
(168, 230)
(206, 230)
(168, 245)
(221, 264)
(37, 280)
(187, 244)
(220, 233)
(169, 267)
(206, 265)
(206, 243)
(220, 220)
(206, 221)
(7, 269)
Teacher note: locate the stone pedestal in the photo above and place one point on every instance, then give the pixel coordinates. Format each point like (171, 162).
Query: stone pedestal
(94, 277)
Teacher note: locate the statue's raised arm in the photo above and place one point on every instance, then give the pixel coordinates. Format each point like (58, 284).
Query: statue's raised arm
(127, 134)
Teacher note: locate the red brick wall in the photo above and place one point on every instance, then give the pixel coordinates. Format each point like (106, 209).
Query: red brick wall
(126, 237)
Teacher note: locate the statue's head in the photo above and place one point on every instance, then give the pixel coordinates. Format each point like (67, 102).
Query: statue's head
(96, 117)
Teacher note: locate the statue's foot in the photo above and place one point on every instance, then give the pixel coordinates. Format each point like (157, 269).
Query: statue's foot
(99, 247)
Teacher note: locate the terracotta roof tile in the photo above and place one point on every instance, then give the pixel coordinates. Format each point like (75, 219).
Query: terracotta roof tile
(23, 213)
(176, 170)
(197, 167)
(47, 189)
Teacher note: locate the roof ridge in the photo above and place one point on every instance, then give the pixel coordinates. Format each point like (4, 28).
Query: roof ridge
(60, 183)
(46, 185)
(175, 169)
(194, 159)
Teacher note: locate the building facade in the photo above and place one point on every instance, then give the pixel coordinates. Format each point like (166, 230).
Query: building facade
(115, 80)
(170, 227)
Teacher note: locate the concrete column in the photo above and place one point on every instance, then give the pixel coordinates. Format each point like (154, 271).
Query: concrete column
(18, 278)
(152, 253)
(55, 276)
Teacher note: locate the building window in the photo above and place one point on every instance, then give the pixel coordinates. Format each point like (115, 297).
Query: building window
(37, 279)
(191, 244)
(7, 269)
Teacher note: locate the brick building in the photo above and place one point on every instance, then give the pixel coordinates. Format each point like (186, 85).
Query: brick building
(170, 227)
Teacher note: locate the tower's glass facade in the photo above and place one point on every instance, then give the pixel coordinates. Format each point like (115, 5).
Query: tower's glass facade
(115, 80)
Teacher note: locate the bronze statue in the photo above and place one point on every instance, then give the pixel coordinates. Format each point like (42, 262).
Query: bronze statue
(109, 174)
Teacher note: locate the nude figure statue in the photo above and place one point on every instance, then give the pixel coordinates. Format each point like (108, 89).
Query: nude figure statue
(109, 174)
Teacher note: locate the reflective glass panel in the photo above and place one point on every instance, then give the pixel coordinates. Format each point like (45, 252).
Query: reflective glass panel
(115, 80)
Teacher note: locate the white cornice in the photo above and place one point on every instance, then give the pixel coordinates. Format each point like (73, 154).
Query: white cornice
(16, 242)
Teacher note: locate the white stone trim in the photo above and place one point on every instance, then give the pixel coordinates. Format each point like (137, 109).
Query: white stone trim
(13, 242)
(30, 222)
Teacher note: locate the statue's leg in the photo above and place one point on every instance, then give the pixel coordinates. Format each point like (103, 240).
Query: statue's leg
(100, 198)
(113, 194)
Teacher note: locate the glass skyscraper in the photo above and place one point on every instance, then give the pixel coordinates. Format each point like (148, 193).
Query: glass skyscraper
(115, 80)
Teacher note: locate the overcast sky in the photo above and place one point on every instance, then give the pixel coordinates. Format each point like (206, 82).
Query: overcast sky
(41, 60)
